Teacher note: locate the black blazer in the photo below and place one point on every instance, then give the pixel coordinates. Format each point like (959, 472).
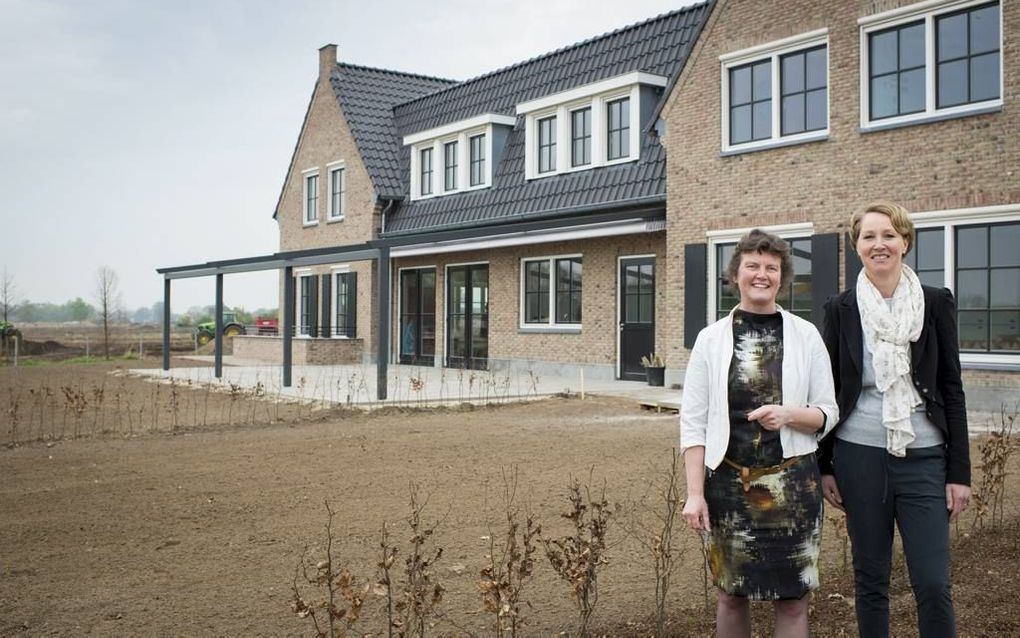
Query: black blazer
(934, 363)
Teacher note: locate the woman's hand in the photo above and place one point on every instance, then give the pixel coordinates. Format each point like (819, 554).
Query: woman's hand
(831, 492)
(696, 513)
(957, 499)
(771, 417)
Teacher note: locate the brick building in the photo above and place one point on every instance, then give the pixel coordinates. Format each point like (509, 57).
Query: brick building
(574, 210)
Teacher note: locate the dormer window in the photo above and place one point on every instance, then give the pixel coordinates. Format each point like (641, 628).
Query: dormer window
(547, 144)
(467, 151)
(450, 166)
(588, 126)
(580, 137)
(477, 159)
(425, 179)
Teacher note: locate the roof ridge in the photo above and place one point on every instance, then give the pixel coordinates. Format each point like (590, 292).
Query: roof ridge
(419, 76)
(635, 25)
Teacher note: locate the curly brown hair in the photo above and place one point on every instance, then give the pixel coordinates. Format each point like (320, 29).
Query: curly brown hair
(758, 241)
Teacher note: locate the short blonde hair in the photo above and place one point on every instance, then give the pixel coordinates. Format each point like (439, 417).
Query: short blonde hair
(898, 215)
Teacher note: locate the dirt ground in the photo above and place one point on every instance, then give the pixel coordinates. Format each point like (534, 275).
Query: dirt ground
(197, 530)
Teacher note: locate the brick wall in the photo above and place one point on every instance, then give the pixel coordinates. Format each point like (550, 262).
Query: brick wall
(966, 162)
(303, 351)
(595, 344)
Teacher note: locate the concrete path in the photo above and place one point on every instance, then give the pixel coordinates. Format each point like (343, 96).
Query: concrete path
(355, 385)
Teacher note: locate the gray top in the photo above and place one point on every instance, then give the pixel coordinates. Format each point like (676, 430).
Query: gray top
(864, 425)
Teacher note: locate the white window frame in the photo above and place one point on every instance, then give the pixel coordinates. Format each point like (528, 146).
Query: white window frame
(331, 169)
(928, 10)
(562, 105)
(551, 323)
(949, 220)
(773, 51)
(460, 132)
(731, 236)
(305, 175)
(299, 275)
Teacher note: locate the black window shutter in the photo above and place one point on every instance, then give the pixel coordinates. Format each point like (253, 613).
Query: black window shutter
(824, 273)
(695, 291)
(327, 297)
(313, 304)
(852, 262)
(352, 304)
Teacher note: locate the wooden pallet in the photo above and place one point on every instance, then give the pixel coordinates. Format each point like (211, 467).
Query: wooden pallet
(660, 405)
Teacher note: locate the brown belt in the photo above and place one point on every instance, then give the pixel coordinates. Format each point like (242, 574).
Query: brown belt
(749, 474)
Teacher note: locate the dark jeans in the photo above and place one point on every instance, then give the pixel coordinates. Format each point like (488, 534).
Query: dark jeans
(879, 489)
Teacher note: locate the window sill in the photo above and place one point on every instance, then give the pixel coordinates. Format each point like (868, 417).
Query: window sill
(928, 118)
(991, 362)
(566, 330)
(310, 224)
(333, 220)
(751, 147)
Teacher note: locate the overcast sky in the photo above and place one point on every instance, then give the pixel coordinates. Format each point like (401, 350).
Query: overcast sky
(141, 134)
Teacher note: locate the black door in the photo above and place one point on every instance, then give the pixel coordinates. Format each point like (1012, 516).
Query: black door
(418, 316)
(467, 317)
(637, 315)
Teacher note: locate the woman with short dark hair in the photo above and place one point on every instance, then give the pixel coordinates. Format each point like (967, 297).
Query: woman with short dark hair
(757, 393)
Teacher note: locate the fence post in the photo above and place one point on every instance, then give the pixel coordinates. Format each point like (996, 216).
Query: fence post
(17, 343)
(86, 346)
(141, 352)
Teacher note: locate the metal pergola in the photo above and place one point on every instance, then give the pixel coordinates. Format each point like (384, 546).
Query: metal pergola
(643, 209)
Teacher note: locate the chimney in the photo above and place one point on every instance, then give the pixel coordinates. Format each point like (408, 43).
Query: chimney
(327, 61)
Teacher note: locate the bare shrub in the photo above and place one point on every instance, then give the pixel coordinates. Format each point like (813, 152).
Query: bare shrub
(996, 451)
(422, 592)
(578, 557)
(511, 564)
(658, 537)
(340, 599)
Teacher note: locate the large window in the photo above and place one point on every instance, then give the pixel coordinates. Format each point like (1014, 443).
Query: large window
(795, 297)
(988, 287)
(928, 256)
(337, 187)
(450, 166)
(425, 166)
(311, 198)
(618, 131)
(547, 145)
(580, 137)
(776, 93)
(551, 291)
(940, 60)
(477, 144)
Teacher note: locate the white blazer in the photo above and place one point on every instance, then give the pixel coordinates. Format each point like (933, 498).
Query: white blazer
(807, 381)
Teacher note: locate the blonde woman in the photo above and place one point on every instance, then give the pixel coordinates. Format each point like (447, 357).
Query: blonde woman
(899, 454)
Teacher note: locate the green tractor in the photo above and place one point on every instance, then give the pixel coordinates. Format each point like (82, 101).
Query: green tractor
(8, 333)
(206, 332)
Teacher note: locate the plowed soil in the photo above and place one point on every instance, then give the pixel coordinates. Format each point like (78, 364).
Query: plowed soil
(197, 530)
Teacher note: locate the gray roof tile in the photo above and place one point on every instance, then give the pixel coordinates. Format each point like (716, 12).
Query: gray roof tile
(367, 97)
(659, 46)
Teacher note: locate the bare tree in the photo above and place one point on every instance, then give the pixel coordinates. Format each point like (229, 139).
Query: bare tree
(108, 298)
(8, 295)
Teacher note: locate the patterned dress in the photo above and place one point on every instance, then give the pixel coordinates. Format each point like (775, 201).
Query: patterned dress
(765, 539)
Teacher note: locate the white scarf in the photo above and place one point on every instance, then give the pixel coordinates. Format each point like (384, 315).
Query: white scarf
(887, 335)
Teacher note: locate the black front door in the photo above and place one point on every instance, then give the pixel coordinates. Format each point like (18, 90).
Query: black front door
(637, 315)
(418, 316)
(467, 317)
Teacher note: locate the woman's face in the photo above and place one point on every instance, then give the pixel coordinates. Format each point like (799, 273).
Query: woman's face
(879, 246)
(758, 281)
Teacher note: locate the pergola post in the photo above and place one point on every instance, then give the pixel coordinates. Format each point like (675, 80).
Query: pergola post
(218, 347)
(166, 323)
(383, 325)
(288, 322)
